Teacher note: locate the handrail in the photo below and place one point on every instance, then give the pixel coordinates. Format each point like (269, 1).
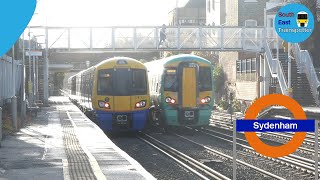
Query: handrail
(277, 68)
(305, 65)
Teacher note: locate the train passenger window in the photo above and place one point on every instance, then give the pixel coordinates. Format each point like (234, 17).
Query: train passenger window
(205, 76)
(105, 82)
(170, 80)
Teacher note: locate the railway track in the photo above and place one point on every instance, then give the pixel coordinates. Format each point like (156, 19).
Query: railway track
(259, 170)
(308, 143)
(196, 167)
(297, 163)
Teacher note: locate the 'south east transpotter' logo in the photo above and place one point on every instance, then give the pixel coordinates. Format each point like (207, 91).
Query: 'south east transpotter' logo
(14, 18)
(294, 23)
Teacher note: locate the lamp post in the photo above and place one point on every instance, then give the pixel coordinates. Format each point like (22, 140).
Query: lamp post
(30, 90)
(23, 91)
(14, 98)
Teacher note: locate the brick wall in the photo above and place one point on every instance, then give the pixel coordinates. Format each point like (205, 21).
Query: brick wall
(231, 13)
(228, 62)
(236, 14)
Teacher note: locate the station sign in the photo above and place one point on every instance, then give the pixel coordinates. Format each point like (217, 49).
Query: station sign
(299, 125)
(34, 53)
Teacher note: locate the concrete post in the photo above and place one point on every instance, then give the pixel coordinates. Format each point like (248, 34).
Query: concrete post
(266, 81)
(23, 90)
(14, 112)
(289, 71)
(30, 91)
(34, 78)
(23, 112)
(0, 125)
(46, 72)
(262, 75)
(14, 98)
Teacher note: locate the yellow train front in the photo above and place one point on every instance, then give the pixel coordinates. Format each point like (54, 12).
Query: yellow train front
(302, 19)
(116, 92)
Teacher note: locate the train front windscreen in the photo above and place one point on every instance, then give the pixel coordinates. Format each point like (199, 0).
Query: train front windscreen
(122, 82)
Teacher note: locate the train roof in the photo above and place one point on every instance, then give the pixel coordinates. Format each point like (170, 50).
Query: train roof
(174, 58)
(117, 58)
(107, 61)
(185, 57)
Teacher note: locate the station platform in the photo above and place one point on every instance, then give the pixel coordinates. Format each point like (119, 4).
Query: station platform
(62, 143)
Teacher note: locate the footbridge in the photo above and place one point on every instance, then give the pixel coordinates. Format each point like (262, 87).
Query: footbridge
(260, 40)
(146, 38)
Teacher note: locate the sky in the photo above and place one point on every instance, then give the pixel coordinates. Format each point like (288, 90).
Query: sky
(103, 12)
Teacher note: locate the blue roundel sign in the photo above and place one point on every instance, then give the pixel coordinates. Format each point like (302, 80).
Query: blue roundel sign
(294, 23)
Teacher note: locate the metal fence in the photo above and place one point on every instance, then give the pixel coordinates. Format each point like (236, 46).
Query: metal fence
(6, 77)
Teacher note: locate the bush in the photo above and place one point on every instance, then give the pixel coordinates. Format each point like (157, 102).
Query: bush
(218, 78)
(224, 104)
(236, 105)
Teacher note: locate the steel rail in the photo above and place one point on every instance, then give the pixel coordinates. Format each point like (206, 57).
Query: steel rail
(179, 155)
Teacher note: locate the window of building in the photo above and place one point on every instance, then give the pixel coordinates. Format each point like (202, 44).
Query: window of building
(271, 22)
(254, 65)
(243, 66)
(238, 65)
(246, 70)
(250, 23)
(213, 5)
(248, 65)
(209, 5)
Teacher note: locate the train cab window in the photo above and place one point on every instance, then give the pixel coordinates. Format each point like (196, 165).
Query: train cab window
(170, 80)
(139, 82)
(105, 85)
(205, 79)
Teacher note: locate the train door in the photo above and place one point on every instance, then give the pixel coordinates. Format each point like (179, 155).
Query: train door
(188, 91)
(121, 99)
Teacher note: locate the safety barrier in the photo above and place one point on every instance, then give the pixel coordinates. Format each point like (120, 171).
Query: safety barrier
(6, 77)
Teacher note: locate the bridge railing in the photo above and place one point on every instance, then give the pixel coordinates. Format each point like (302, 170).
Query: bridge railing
(305, 65)
(272, 41)
(144, 38)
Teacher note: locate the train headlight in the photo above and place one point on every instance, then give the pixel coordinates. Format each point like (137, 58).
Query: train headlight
(141, 104)
(103, 104)
(170, 100)
(107, 105)
(206, 100)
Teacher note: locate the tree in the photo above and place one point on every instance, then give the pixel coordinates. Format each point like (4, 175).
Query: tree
(207, 55)
(218, 78)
